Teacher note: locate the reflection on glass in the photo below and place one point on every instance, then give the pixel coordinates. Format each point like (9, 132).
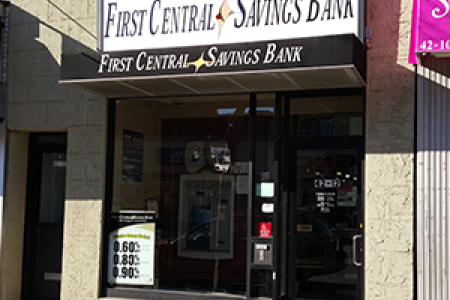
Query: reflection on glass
(327, 116)
(328, 133)
(52, 188)
(193, 167)
(206, 206)
(326, 221)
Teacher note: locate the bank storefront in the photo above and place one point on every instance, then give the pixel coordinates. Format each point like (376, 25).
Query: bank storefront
(235, 147)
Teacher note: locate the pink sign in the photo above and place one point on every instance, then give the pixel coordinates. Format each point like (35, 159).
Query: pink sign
(430, 30)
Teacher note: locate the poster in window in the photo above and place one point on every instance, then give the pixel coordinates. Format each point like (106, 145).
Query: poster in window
(133, 152)
(347, 196)
(132, 248)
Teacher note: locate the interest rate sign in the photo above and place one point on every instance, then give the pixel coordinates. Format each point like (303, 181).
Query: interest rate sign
(132, 248)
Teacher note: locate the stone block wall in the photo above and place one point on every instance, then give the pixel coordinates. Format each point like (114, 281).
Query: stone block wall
(41, 31)
(389, 165)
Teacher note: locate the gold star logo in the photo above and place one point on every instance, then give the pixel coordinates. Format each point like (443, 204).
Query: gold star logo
(199, 62)
(224, 13)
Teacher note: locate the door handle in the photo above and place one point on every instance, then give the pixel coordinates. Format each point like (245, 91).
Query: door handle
(355, 237)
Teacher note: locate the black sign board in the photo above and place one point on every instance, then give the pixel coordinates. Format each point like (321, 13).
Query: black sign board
(330, 51)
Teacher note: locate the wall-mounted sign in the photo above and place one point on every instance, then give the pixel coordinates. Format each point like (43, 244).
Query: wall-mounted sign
(132, 248)
(216, 59)
(267, 208)
(430, 28)
(265, 229)
(195, 156)
(265, 189)
(132, 158)
(347, 196)
(155, 24)
(280, 54)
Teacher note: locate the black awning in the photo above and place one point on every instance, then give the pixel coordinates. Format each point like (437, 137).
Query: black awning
(310, 63)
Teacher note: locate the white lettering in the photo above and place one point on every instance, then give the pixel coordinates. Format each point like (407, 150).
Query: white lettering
(280, 56)
(296, 55)
(270, 55)
(149, 63)
(211, 56)
(172, 60)
(115, 64)
(138, 61)
(256, 56)
(437, 10)
(103, 62)
(248, 57)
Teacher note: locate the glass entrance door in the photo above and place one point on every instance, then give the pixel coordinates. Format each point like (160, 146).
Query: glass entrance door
(323, 165)
(326, 182)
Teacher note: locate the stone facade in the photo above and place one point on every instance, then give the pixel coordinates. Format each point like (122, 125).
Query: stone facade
(389, 167)
(42, 30)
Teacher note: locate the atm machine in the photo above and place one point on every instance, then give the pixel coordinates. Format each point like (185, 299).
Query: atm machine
(205, 222)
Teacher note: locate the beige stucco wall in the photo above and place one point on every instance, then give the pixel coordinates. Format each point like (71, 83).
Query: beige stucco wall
(13, 217)
(389, 189)
(40, 32)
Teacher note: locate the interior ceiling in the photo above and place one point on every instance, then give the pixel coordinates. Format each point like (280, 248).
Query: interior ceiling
(204, 106)
(270, 81)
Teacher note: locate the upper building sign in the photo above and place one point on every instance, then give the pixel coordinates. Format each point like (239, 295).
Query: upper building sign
(155, 24)
(430, 28)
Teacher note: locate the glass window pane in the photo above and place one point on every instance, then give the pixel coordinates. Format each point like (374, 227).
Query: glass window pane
(327, 116)
(325, 146)
(186, 160)
(53, 183)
